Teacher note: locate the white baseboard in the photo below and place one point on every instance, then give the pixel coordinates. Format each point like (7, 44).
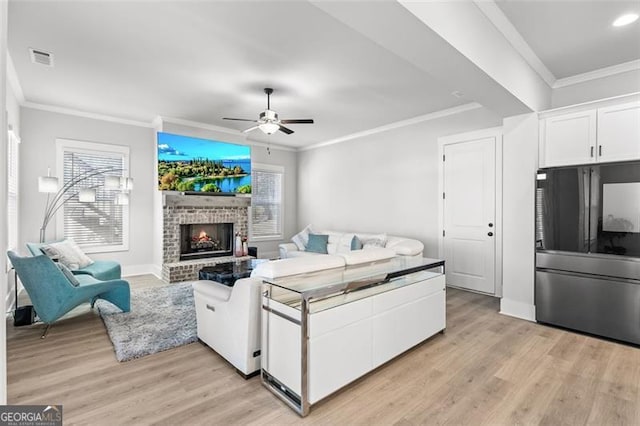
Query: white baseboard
(516, 309)
(132, 270)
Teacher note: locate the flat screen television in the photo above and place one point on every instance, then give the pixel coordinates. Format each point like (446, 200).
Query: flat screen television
(197, 165)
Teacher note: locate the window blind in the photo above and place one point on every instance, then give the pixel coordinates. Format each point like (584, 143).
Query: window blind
(266, 202)
(98, 223)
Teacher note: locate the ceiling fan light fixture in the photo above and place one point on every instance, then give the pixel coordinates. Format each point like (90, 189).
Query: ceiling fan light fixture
(269, 128)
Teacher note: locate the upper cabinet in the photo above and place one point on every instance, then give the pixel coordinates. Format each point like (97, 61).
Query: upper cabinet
(619, 132)
(606, 134)
(568, 139)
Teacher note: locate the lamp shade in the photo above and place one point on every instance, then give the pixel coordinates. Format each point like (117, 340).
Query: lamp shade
(87, 195)
(269, 128)
(112, 182)
(48, 184)
(122, 199)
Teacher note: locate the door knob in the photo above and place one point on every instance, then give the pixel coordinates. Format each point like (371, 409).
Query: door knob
(490, 225)
(490, 234)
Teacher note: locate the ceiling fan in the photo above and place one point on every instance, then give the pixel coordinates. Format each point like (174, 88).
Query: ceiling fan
(269, 122)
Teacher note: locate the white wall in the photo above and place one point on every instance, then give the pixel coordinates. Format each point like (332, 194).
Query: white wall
(13, 111)
(13, 122)
(600, 88)
(39, 132)
(386, 182)
(520, 162)
(281, 157)
(3, 198)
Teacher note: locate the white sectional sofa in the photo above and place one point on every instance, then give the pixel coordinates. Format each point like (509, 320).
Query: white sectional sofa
(340, 242)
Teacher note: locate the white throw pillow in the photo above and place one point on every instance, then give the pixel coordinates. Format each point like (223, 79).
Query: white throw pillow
(378, 240)
(344, 246)
(68, 253)
(333, 242)
(301, 239)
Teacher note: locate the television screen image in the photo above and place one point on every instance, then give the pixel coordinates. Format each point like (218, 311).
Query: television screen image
(189, 164)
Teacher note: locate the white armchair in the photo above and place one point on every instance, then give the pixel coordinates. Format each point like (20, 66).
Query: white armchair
(228, 321)
(228, 318)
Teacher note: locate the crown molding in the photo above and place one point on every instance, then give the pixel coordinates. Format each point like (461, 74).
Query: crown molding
(599, 73)
(212, 127)
(14, 81)
(597, 103)
(398, 124)
(495, 15)
(199, 125)
(85, 114)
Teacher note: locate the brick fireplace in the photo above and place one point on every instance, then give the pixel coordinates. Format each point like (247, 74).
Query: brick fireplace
(182, 210)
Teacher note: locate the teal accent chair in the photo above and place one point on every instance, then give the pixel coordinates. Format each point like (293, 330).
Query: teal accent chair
(53, 295)
(103, 270)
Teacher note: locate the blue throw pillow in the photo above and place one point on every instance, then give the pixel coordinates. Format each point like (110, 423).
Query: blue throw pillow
(356, 244)
(317, 243)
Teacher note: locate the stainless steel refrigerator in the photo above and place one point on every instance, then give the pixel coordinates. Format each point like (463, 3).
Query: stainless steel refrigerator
(588, 249)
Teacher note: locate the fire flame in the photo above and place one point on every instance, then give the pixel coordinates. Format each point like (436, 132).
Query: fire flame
(201, 237)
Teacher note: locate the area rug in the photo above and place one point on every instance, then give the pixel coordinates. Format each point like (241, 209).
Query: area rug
(161, 318)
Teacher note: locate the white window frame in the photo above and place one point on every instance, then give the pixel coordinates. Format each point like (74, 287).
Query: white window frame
(13, 163)
(259, 167)
(63, 145)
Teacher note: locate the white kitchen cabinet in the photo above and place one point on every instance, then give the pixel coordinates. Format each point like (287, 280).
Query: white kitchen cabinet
(618, 135)
(568, 139)
(608, 133)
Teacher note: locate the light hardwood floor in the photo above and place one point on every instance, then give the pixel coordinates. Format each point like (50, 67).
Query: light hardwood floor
(487, 369)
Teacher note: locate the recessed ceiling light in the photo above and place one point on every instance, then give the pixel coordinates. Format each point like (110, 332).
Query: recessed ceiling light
(625, 19)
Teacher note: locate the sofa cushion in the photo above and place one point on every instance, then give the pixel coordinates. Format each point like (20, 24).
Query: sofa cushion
(301, 239)
(372, 254)
(317, 243)
(298, 265)
(299, 253)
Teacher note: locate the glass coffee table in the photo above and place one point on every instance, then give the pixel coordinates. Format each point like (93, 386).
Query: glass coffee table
(229, 272)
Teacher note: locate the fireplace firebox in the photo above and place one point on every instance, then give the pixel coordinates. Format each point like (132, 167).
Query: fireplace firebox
(201, 240)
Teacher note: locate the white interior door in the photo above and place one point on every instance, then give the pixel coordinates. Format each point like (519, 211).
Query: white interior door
(469, 214)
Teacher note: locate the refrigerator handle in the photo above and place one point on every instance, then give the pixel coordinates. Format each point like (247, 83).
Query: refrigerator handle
(594, 205)
(586, 193)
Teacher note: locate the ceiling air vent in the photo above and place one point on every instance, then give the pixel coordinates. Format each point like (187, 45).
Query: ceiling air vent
(41, 57)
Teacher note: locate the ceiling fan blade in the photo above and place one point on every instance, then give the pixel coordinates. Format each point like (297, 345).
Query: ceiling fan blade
(249, 129)
(298, 121)
(285, 130)
(240, 119)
